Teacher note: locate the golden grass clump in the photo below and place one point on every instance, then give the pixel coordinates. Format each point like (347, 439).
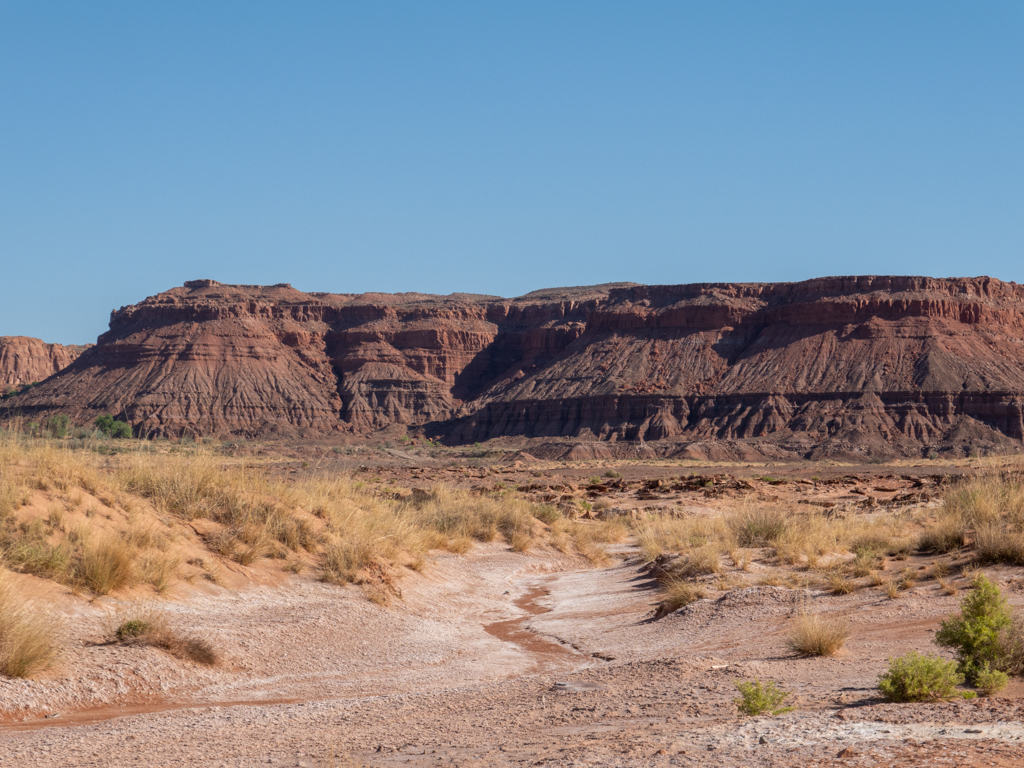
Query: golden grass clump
(678, 593)
(107, 564)
(808, 537)
(662, 535)
(590, 538)
(839, 583)
(998, 543)
(947, 534)
(29, 635)
(816, 634)
(758, 525)
(986, 499)
(700, 561)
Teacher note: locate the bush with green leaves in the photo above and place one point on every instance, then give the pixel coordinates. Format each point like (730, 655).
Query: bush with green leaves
(57, 425)
(920, 677)
(990, 681)
(761, 699)
(976, 635)
(111, 427)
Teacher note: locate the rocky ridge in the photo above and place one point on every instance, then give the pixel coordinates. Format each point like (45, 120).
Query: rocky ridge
(831, 366)
(24, 360)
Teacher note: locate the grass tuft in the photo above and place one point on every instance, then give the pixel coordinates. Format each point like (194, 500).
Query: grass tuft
(29, 641)
(815, 634)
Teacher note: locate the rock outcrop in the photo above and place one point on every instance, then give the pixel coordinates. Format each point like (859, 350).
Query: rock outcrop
(24, 360)
(851, 365)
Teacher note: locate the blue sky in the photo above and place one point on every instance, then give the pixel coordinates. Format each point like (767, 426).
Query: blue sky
(498, 147)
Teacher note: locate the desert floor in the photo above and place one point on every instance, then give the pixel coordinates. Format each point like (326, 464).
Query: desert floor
(502, 658)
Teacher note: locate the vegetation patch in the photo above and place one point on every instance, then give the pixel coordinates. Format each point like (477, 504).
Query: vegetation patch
(150, 629)
(29, 635)
(757, 698)
(920, 677)
(817, 634)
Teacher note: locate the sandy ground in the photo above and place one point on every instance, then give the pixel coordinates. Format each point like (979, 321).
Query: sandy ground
(499, 658)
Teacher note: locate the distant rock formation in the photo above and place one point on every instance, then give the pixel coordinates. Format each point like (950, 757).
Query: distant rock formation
(831, 366)
(24, 360)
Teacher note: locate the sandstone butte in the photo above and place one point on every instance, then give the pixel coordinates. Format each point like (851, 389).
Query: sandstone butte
(839, 366)
(25, 360)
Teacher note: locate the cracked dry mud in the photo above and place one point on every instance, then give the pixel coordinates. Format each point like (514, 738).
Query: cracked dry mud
(499, 658)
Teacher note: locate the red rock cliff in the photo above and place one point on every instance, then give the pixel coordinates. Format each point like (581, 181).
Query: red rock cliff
(24, 360)
(851, 362)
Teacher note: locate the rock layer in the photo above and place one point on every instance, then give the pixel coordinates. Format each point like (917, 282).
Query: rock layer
(24, 360)
(832, 365)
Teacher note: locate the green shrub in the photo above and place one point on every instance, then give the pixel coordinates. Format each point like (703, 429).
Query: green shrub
(57, 425)
(990, 681)
(976, 635)
(760, 699)
(111, 427)
(131, 629)
(917, 677)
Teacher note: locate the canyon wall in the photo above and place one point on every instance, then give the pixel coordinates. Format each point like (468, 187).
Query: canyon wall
(850, 365)
(24, 360)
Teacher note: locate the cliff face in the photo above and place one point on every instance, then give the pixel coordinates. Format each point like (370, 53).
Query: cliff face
(852, 363)
(24, 360)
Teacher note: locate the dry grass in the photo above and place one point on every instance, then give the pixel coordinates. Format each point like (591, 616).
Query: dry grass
(815, 634)
(758, 525)
(998, 542)
(678, 593)
(839, 583)
(984, 513)
(143, 502)
(107, 564)
(29, 635)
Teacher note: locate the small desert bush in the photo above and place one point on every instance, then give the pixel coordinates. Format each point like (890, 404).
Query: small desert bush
(917, 677)
(990, 681)
(29, 635)
(112, 427)
(977, 634)
(761, 699)
(148, 627)
(816, 634)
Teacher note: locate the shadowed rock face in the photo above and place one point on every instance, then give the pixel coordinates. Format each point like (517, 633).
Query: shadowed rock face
(24, 360)
(827, 365)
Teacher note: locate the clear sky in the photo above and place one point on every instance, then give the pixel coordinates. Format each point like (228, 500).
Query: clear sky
(498, 147)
